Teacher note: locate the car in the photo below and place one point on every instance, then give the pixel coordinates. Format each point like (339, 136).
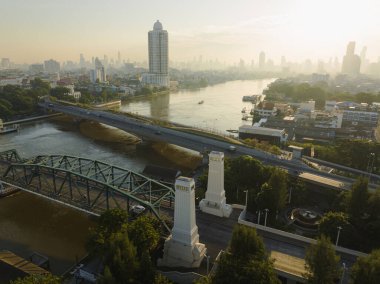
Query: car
(137, 209)
(50, 105)
(158, 133)
(231, 148)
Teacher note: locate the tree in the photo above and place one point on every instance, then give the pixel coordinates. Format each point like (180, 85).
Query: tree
(160, 279)
(38, 279)
(109, 222)
(366, 269)
(121, 259)
(299, 194)
(245, 260)
(322, 264)
(273, 195)
(143, 234)
(329, 223)
(243, 173)
(246, 244)
(358, 199)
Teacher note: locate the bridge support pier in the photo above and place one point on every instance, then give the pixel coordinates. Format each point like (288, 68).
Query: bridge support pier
(182, 248)
(215, 201)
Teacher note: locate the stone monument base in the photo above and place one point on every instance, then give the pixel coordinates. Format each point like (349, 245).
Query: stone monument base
(220, 209)
(177, 254)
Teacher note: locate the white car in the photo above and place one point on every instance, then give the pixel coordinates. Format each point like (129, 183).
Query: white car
(137, 209)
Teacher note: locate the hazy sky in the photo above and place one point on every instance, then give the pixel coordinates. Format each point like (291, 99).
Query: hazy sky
(34, 30)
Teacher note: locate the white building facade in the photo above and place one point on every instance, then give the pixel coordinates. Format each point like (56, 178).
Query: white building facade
(158, 47)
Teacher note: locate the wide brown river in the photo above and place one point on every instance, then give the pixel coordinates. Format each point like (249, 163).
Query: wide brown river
(29, 223)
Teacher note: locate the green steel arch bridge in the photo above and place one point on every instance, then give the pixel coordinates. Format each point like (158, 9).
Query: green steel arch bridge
(85, 184)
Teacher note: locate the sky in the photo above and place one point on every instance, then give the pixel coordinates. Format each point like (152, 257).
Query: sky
(33, 31)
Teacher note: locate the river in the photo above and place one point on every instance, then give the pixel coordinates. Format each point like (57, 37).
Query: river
(29, 223)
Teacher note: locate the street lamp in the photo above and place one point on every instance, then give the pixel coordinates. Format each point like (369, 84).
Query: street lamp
(208, 263)
(370, 165)
(344, 270)
(246, 199)
(290, 194)
(337, 237)
(266, 215)
(258, 219)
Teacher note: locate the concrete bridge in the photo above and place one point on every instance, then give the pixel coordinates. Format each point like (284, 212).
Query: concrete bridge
(187, 137)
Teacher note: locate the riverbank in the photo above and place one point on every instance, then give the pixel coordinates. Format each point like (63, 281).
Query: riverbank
(32, 118)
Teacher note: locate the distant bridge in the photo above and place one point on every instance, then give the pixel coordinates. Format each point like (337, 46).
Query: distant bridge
(188, 138)
(86, 184)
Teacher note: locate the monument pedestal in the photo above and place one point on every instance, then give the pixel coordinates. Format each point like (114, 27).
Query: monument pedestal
(178, 254)
(182, 247)
(215, 201)
(220, 209)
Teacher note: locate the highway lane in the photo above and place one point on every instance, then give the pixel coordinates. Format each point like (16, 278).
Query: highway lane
(151, 132)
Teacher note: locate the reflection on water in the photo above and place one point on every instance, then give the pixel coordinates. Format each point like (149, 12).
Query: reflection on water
(220, 111)
(29, 223)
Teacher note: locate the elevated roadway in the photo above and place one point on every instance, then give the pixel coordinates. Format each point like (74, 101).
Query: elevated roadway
(147, 130)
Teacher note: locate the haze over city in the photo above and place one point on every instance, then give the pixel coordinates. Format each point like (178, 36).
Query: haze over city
(173, 141)
(33, 31)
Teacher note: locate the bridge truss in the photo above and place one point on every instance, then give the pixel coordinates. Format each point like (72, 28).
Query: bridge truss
(87, 184)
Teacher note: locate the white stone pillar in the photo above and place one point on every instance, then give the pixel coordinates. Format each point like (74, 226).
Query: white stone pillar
(215, 200)
(182, 247)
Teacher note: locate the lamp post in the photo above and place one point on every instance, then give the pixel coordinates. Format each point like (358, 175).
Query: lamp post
(290, 194)
(337, 237)
(370, 165)
(266, 215)
(344, 270)
(246, 199)
(208, 263)
(258, 219)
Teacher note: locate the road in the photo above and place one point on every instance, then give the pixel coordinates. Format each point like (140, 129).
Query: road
(194, 141)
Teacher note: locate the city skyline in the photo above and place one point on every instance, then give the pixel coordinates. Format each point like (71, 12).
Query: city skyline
(217, 30)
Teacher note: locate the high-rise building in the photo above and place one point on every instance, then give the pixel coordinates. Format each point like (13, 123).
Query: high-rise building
(98, 75)
(5, 63)
(351, 61)
(52, 66)
(363, 59)
(262, 60)
(36, 68)
(158, 47)
(82, 61)
(118, 58)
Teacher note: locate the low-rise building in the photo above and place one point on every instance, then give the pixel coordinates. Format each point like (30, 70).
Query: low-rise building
(265, 109)
(72, 92)
(328, 120)
(363, 118)
(275, 136)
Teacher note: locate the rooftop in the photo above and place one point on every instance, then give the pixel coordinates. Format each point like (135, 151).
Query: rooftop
(261, 130)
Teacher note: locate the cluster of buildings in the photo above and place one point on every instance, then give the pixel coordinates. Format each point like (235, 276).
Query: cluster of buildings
(303, 122)
(97, 79)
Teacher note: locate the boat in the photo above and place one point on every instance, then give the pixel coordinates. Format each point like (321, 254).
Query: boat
(8, 129)
(245, 117)
(243, 110)
(200, 102)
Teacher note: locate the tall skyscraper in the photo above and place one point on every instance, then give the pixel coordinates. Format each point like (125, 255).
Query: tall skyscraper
(98, 74)
(158, 47)
(351, 62)
(363, 59)
(5, 63)
(262, 60)
(82, 61)
(52, 66)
